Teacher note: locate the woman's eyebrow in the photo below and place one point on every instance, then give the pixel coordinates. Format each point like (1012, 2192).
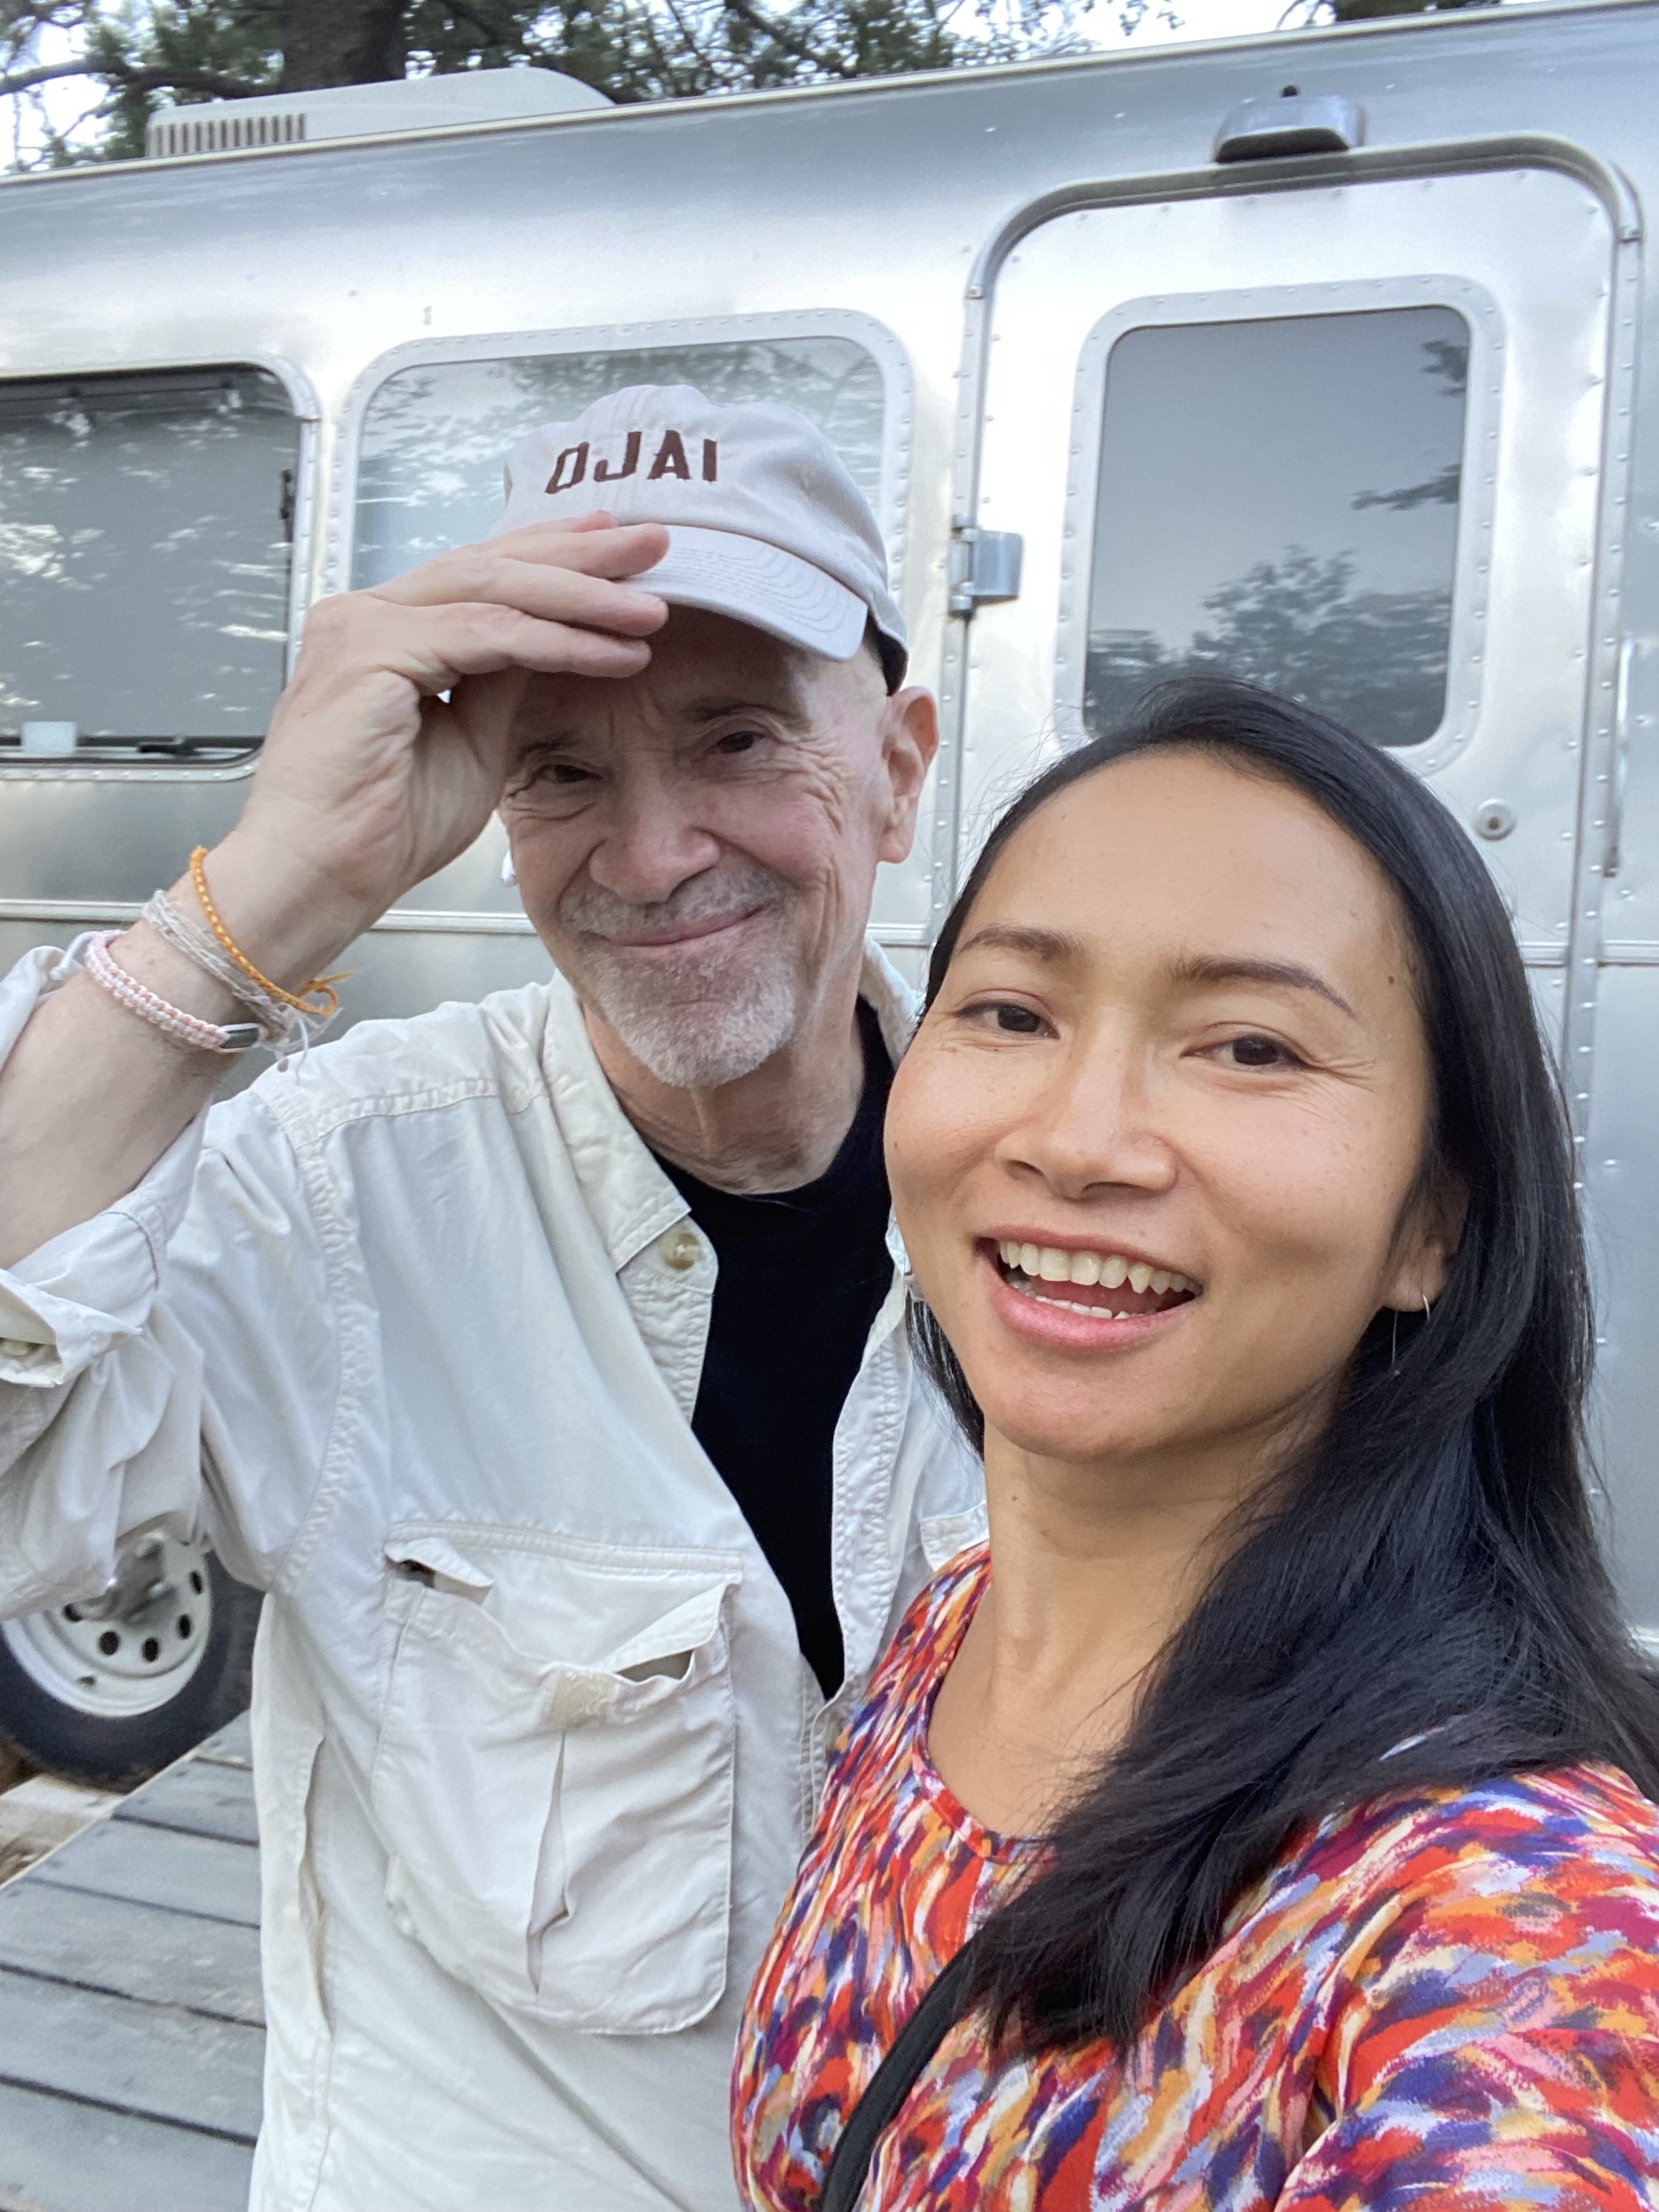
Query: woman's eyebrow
(1056, 948)
(1219, 968)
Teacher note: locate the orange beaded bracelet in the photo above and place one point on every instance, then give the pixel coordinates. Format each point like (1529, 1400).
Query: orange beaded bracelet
(320, 987)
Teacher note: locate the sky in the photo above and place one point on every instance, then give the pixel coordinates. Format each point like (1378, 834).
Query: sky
(1200, 19)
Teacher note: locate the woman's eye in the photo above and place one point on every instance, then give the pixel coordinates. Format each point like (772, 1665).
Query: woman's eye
(1006, 1015)
(1259, 1052)
(737, 741)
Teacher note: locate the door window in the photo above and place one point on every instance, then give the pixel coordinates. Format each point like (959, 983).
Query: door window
(145, 526)
(1277, 500)
(434, 436)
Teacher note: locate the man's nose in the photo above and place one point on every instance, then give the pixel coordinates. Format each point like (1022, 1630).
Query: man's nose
(652, 844)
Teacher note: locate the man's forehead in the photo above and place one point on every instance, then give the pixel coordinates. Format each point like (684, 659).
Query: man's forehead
(701, 666)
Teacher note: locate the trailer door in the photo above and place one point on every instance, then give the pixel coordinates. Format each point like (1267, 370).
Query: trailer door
(1345, 440)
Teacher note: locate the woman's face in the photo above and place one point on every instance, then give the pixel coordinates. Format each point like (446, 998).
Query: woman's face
(1152, 1148)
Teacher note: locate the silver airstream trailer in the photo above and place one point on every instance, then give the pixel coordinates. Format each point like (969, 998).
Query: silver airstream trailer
(1313, 357)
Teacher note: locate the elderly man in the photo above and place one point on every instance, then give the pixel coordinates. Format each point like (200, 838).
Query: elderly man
(542, 1358)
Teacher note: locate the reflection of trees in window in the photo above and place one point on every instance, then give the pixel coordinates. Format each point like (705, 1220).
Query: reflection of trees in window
(1374, 660)
(143, 563)
(434, 439)
(1448, 361)
(1308, 622)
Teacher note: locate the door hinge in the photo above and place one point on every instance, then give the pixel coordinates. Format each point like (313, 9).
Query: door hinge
(985, 566)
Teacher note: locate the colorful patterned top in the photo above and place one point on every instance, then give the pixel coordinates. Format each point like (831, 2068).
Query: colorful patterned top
(1445, 1999)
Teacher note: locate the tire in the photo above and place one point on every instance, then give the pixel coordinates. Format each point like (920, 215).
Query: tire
(111, 1690)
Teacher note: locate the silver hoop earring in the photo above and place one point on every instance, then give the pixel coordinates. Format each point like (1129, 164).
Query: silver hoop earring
(1394, 1344)
(1428, 1311)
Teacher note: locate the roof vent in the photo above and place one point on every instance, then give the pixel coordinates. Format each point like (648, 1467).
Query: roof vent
(366, 110)
(1295, 123)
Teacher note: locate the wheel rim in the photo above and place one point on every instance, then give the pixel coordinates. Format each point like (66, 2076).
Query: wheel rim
(130, 1650)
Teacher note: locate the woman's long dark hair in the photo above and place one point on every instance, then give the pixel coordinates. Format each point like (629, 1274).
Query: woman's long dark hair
(1428, 1574)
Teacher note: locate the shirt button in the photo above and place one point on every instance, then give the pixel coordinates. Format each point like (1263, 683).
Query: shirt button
(681, 1249)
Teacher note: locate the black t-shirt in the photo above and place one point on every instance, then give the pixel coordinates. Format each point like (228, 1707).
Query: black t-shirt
(802, 1276)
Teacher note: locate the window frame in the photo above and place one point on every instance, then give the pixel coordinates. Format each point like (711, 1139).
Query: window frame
(1477, 491)
(307, 416)
(881, 343)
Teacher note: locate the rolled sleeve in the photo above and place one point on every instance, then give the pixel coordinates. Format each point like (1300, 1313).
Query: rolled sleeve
(63, 1306)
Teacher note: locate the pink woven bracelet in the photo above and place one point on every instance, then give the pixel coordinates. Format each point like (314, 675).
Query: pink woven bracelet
(228, 1037)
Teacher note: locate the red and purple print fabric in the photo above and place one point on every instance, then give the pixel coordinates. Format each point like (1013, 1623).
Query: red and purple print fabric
(1446, 1999)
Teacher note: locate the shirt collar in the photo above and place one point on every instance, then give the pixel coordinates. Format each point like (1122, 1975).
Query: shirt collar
(631, 1200)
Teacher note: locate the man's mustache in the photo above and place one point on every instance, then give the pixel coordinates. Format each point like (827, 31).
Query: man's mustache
(588, 909)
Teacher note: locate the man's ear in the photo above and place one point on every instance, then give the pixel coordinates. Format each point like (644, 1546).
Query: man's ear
(909, 739)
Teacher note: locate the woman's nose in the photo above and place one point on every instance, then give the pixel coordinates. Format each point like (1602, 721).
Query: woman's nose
(1093, 1127)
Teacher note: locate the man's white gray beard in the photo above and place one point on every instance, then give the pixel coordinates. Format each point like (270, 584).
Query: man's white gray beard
(711, 1012)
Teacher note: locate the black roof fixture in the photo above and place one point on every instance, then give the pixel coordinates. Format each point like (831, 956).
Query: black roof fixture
(1296, 122)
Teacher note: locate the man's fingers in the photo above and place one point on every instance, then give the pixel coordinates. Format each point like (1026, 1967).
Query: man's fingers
(600, 519)
(502, 569)
(449, 643)
(563, 595)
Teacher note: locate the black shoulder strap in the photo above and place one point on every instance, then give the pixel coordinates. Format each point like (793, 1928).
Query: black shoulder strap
(892, 2082)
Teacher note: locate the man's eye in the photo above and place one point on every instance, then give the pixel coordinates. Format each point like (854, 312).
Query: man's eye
(546, 785)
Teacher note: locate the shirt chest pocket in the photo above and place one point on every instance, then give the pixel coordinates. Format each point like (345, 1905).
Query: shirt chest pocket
(553, 1778)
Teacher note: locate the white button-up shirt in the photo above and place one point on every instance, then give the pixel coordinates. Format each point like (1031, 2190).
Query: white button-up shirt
(412, 1331)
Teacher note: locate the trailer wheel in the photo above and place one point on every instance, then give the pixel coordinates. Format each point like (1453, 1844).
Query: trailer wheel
(112, 1688)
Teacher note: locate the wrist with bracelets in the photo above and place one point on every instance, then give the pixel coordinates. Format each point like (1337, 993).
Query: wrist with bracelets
(279, 1018)
(106, 971)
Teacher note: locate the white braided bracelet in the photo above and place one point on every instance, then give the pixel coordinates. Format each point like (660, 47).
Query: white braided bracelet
(226, 1037)
(276, 1021)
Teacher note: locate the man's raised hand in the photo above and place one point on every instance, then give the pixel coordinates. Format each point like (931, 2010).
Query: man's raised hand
(371, 779)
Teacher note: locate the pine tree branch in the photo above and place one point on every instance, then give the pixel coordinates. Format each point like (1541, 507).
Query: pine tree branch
(131, 78)
(44, 73)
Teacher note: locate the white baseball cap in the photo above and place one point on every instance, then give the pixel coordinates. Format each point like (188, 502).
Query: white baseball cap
(764, 523)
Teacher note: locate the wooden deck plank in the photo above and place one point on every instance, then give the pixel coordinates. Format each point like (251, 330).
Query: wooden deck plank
(132, 1949)
(202, 1874)
(232, 1747)
(58, 2156)
(131, 2043)
(152, 2060)
(200, 1797)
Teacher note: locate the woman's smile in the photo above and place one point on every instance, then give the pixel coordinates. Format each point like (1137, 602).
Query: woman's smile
(1086, 1297)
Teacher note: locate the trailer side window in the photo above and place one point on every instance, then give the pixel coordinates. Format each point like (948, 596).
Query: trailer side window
(1279, 500)
(144, 556)
(434, 437)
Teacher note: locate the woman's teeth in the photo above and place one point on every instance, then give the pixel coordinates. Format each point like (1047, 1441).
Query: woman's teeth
(1047, 1263)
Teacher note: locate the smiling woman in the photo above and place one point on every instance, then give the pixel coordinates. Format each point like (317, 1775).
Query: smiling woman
(1284, 1761)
